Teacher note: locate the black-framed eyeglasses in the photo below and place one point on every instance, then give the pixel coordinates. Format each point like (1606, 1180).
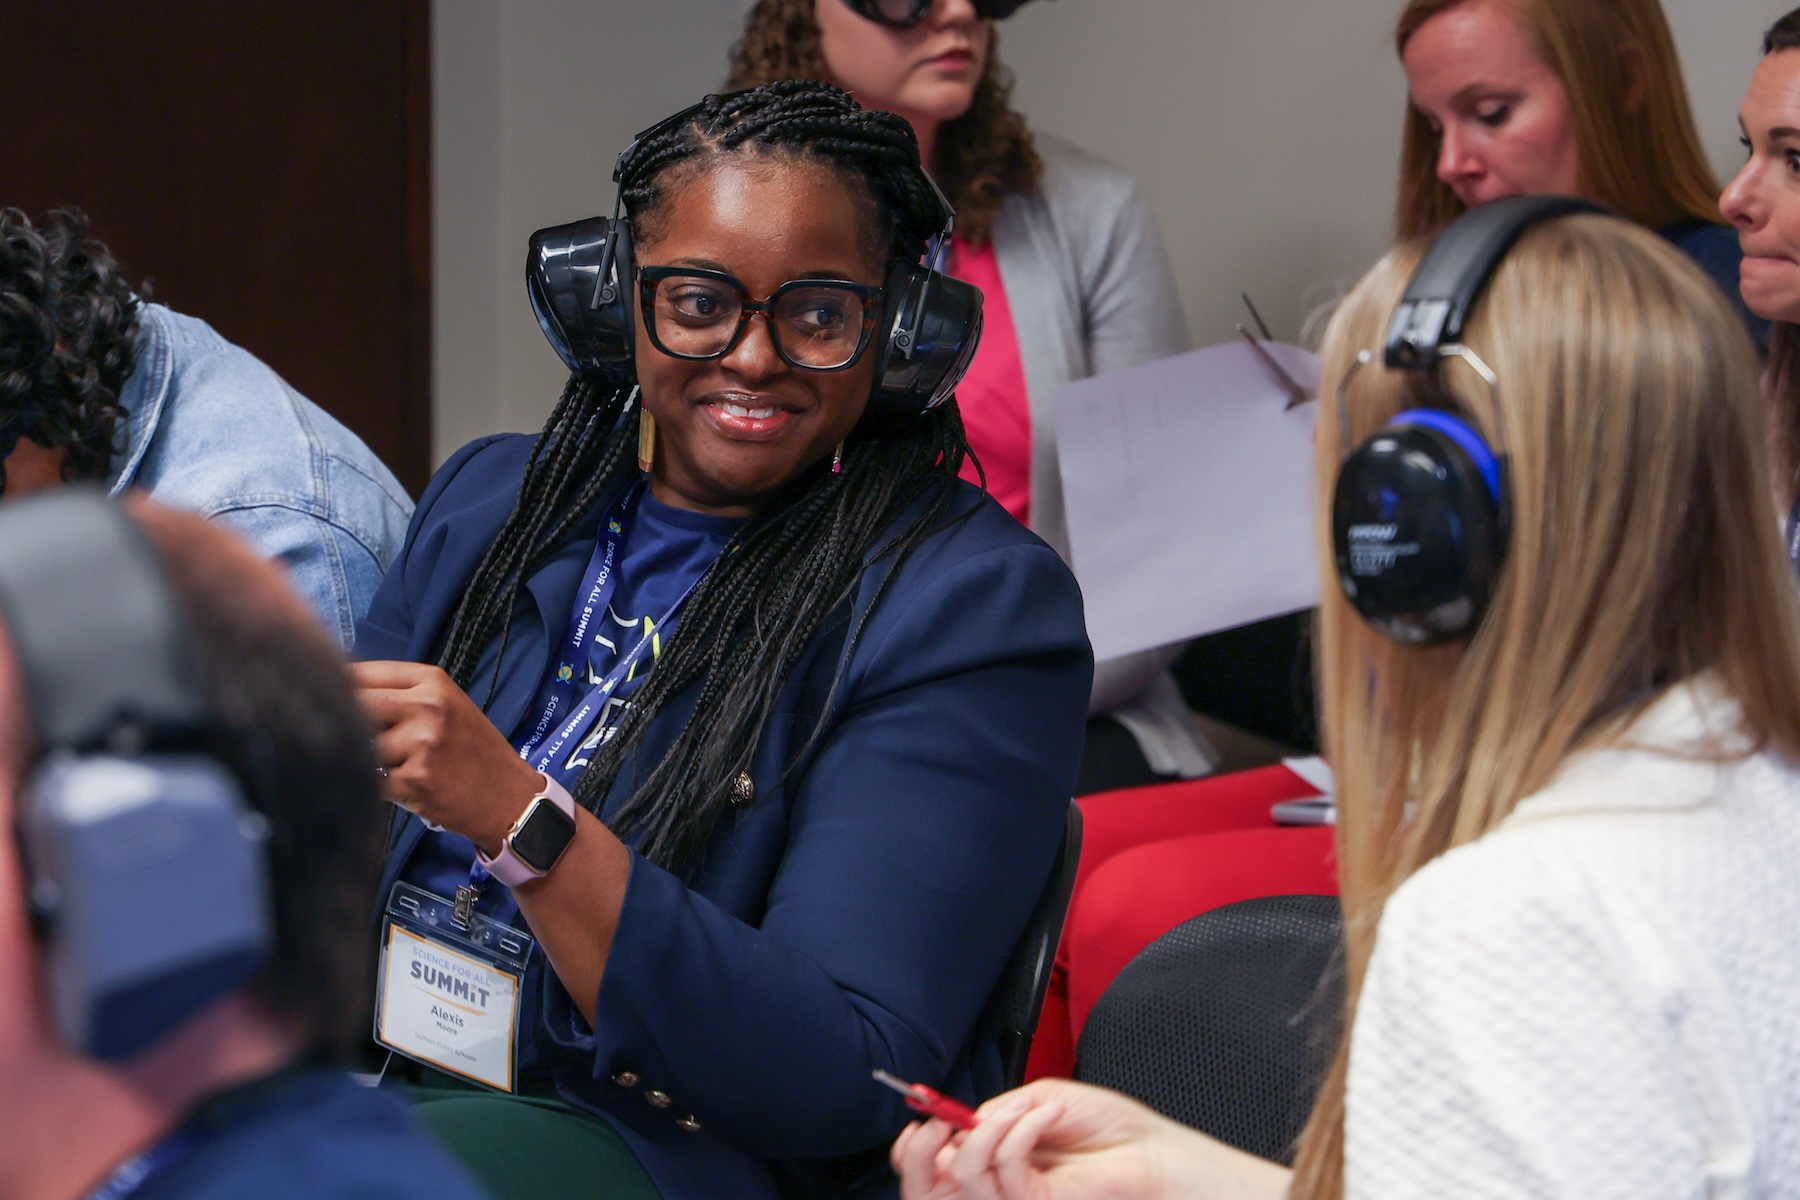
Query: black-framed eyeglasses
(816, 324)
(904, 14)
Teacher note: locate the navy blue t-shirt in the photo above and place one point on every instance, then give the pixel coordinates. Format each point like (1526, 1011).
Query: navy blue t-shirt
(666, 550)
(310, 1135)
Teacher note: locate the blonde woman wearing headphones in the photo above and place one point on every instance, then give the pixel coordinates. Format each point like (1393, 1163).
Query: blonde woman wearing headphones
(1568, 834)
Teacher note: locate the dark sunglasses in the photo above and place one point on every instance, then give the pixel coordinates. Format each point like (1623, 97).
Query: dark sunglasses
(904, 14)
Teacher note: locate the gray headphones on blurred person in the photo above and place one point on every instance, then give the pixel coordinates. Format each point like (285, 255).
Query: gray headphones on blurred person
(147, 876)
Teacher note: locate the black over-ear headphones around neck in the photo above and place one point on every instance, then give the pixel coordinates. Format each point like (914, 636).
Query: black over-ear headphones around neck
(145, 868)
(580, 280)
(1420, 514)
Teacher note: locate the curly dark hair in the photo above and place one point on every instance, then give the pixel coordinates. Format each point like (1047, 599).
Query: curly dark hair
(68, 340)
(981, 157)
(794, 566)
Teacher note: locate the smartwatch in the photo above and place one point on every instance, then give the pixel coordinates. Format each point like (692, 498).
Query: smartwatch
(537, 839)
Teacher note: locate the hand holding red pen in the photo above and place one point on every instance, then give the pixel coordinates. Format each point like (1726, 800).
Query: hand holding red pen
(1059, 1140)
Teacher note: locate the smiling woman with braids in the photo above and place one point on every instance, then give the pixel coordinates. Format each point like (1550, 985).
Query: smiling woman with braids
(823, 726)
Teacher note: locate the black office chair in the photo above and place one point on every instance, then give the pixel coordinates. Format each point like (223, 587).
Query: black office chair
(1012, 1012)
(1228, 1022)
(1010, 1018)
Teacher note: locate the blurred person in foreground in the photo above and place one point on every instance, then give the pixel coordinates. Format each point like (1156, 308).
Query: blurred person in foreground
(1566, 838)
(99, 384)
(246, 1095)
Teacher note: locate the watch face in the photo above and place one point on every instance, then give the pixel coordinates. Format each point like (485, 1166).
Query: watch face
(543, 835)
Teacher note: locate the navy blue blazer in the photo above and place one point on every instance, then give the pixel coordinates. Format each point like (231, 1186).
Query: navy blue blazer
(857, 913)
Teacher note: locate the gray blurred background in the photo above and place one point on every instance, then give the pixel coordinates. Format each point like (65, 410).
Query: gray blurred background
(1266, 136)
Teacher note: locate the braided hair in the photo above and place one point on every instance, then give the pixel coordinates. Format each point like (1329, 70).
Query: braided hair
(791, 566)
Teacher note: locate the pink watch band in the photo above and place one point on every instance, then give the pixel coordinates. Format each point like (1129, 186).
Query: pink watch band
(508, 867)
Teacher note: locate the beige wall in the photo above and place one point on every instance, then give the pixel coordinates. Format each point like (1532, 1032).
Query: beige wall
(534, 99)
(1265, 135)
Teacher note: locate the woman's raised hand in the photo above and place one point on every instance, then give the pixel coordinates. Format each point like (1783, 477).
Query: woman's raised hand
(1058, 1140)
(445, 760)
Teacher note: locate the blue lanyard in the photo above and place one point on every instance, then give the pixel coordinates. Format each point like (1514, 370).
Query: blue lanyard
(598, 584)
(129, 1177)
(565, 712)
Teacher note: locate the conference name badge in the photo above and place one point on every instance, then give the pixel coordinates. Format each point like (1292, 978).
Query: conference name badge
(448, 994)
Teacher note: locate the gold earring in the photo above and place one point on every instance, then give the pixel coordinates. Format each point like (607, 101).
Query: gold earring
(646, 439)
(837, 460)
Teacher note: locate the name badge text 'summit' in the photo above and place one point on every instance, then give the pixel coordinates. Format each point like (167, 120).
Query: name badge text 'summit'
(447, 1008)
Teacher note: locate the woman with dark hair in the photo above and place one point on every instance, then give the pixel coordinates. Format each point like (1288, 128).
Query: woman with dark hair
(97, 384)
(813, 726)
(1071, 263)
(1763, 203)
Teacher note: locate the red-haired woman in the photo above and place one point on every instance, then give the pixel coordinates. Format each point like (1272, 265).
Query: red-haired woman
(1071, 264)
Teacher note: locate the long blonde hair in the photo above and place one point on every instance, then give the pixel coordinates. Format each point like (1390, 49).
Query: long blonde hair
(1639, 150)
(1643, 550)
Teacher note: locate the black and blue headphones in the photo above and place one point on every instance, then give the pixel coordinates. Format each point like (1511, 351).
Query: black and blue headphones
(146, 870)
(580, 280)
(1420, 515)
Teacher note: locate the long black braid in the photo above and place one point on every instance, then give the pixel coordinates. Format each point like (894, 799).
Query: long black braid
(788, 569)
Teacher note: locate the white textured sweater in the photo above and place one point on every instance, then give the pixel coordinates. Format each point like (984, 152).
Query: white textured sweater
(1600, 998)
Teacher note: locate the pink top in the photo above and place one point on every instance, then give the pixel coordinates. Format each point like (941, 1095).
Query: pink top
(992, 395)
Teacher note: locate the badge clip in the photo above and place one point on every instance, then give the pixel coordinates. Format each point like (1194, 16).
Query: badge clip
(447, 993)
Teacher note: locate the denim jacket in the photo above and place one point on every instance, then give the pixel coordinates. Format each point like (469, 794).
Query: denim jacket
(211, 429)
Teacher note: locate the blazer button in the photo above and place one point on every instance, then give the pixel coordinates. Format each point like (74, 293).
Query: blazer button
(743, 789)
(658, 1099)
(625, 1078)
(690, 1123)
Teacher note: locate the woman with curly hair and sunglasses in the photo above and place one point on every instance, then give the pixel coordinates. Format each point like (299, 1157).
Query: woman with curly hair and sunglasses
(1071, 264)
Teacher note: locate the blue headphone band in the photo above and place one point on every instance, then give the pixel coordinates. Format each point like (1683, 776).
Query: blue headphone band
(1463, 435)
(1388, 494)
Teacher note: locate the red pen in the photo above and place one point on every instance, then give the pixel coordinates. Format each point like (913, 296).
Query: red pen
(930, 1101)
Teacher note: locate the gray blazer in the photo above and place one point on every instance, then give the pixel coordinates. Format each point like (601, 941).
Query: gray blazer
(1091, 291)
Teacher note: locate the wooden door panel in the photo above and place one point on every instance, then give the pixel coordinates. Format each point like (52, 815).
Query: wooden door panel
(263, 166)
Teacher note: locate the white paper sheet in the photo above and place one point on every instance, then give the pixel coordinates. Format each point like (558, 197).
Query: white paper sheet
(1188, 490)
(1315, 772)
